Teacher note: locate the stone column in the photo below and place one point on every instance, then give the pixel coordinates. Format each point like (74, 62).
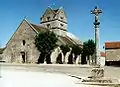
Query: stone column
(96, 12)
(66, 57)
(54, 55)
(79, 61)
(97, 72)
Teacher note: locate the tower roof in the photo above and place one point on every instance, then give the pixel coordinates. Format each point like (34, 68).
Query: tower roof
(53, 10)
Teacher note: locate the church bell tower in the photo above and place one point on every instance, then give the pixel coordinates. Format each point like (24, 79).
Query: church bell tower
(55, 20)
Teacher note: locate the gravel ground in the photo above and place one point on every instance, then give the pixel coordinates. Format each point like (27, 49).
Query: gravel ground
(19, 78)
(25, 75)
(113, 72)
(80, 70)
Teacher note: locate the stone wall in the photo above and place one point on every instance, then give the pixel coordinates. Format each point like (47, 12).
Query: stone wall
(0, 56)
(112, 54)
(55, 24)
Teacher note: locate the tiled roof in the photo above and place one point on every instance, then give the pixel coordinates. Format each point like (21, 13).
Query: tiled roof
(39, 28)
(73, 38)
(112, 45)
(65, 40)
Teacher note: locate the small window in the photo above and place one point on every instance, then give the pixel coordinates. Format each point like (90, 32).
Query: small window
(23, 42)
(48, 18)
(48, 25)
(61, 25)
(61, 18)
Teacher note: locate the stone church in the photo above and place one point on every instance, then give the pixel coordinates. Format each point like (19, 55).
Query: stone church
(21, 48)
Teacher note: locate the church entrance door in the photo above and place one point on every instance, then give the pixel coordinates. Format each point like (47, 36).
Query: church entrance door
(23, 57)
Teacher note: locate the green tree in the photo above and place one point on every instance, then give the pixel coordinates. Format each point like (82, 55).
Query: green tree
(89, 49)
(65, 49)
(84, 52)
(76, 50)
(45, 43)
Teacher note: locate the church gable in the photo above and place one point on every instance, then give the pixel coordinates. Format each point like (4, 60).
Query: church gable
(53, 14)
(22, 30)
(22, 42)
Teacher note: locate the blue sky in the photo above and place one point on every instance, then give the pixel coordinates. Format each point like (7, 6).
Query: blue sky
(80, 21)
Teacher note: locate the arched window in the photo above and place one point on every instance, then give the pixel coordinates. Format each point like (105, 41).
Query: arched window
(23, 42)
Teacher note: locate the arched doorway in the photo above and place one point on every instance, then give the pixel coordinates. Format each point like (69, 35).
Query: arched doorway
(23, 55)
(70, 59)
(59, 59)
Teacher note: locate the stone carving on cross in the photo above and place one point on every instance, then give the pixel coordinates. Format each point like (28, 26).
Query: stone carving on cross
(96, 12)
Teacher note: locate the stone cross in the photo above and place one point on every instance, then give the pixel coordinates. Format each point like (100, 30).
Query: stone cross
(96, 12)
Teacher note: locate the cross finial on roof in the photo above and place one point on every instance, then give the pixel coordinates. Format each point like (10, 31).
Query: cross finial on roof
(53, 5)
(25, 17)
(95, 7)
